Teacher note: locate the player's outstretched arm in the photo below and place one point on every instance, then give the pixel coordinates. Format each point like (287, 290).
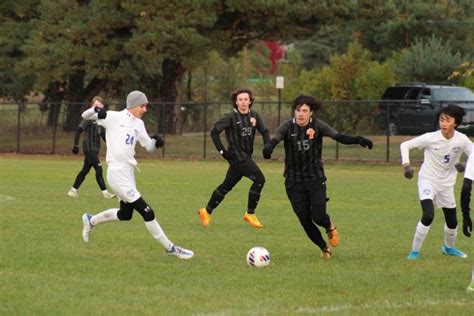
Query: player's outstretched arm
(349, 140)
(271, 144)
(94, 113)
(159, 142)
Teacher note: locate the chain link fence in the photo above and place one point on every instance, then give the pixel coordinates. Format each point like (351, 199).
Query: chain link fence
(33, 128)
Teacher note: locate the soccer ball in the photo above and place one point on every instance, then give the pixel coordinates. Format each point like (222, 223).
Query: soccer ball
(258, 257)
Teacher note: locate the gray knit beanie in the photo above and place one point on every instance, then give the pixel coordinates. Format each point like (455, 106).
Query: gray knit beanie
(135, 98)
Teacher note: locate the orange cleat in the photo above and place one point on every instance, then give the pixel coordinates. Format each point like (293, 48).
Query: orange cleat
(326, 253)
(204, 216)
(252, 220)
(333, 236)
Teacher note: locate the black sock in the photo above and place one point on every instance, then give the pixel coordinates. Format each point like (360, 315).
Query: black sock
(214, 201)
(254, 197)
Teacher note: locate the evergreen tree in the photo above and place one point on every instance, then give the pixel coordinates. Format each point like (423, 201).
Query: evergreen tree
(427, 61)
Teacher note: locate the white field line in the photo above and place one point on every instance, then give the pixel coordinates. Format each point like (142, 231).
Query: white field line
(5, 198)
(384, 305)
(368, 307)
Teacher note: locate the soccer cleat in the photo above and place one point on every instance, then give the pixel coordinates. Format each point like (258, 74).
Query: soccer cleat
(204, 216)
(326, 253)
(451, 251)
(179, 252)
(252, 220)
(107, 194)
(413, 255)
(333, 236)
(470, 288)
(86, 220)
(73, 193)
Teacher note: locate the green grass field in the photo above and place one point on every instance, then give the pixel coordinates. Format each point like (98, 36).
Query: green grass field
(46, 268)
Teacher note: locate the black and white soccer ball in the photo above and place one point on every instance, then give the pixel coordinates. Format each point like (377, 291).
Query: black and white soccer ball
(258, 257)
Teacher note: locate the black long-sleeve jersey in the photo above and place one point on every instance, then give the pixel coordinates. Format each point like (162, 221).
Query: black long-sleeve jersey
(240, 133)
(92, 136)
(303, 148)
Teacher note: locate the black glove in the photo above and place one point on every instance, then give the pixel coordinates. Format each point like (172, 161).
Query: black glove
(159, 141)
(101, 112)
(365, 142)
(226, 154)
(466, 224)
(460, 166)
(408, 173)
(267, 151)
(75, 149)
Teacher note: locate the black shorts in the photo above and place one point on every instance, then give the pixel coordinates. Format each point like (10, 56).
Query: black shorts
(308, 199)
(246, 168)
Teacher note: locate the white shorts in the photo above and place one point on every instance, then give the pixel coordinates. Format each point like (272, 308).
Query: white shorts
(121, 180)
(442, 196)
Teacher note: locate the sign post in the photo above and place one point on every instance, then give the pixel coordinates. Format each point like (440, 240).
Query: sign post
(280, 83)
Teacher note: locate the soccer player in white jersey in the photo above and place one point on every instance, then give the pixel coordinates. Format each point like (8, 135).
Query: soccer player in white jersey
(466, 207)
(437, 176)
(122, 131)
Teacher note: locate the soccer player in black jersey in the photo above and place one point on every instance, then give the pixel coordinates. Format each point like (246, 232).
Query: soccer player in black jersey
(240, 126)
(91, 148)
(305, 181)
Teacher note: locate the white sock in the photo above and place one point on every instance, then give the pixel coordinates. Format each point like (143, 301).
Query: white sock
(155, 230)
(105, 216)
(420, 235)
(450, 236)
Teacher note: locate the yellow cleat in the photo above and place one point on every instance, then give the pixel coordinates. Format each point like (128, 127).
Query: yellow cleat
(326, 253)
(333, 236)
(252, 220)
(204, 216)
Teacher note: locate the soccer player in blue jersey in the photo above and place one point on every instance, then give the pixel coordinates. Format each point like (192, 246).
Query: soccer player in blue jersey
(124, 129)
(437, 176)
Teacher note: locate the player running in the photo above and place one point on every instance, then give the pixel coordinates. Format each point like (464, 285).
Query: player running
(305, 180)
(437, 176)
(240, 127)
(123, 130)
(91, 147)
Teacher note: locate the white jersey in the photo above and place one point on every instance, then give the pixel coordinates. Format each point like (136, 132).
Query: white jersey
(122, 131)
(440, 155)
(469, 173)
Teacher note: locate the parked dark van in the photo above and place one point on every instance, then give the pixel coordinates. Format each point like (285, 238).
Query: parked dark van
(411, 108)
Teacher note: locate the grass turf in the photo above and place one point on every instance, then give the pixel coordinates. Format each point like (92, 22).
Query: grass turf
(46, 268)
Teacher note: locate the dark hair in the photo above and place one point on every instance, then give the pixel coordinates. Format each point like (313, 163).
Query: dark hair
(453, 110)
(234, 95)
(313, 104)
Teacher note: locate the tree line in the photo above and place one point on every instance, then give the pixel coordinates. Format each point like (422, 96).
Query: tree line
(196, 51)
